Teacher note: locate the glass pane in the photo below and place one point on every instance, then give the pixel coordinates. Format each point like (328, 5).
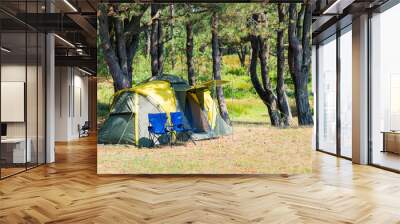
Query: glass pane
(386, 89)
(31, 100)
(346, 93)
(14, 151)
(327, 96)
(23, 82)
(41, 99)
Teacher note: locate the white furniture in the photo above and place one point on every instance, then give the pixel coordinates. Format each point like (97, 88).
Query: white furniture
(17, 146)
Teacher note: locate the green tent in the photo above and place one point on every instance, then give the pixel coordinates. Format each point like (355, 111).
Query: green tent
(128, 121)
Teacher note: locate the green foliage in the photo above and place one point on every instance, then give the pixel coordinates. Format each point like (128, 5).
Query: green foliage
(241, 71)
(234, 26)
(102, 68)
(141, 69)
(105, 91)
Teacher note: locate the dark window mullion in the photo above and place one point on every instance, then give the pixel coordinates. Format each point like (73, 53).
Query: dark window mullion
(26, 86)
(37, 90)
(369, 96)
(338, 98)
(44, 70)
(317, 96)
(0, 94)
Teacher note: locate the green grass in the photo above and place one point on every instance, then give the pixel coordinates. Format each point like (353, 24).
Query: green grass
(247, 110)
(251, 149)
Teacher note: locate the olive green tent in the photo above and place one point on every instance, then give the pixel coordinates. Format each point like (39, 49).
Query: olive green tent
(128, 119)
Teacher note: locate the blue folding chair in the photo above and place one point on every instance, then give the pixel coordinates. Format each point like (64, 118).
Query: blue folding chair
(178, 127)
(157, 126)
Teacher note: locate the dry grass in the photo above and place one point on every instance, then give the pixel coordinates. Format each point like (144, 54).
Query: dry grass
(250, 150)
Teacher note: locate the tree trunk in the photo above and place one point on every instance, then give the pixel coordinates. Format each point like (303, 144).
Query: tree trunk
(116, 59)
(307, 118)
(160, 45)
(242, 51)
(216, 56)
(156, 44)
(283, 104)
(147, 44)
(300, 59)
(299, 25)
(189, 54)
(119, 38)
(260, 49)
(263, 89)
(172, 51)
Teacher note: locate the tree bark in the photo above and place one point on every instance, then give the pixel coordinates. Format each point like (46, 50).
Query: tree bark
(160, 48)
(299, 25)
(300, 58)
(156, 43)
(172, 52)
(216, 56)
(242, 51)
(307, 119)
(116, 59)
(263, 88)
(283, 104)
(189, 53)
(147, 44)
(119, 37)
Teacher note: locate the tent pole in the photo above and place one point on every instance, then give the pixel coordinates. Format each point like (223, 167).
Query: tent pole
(136, 119)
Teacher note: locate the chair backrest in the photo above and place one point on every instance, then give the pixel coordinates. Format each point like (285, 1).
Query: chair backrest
(157, 122)
(86, 125)
(177, 120)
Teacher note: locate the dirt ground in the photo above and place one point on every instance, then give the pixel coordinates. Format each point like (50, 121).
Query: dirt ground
(251, 149)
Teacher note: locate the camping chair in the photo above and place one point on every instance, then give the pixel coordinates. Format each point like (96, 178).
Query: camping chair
(157, 126)
(178, 127)
(84, 130)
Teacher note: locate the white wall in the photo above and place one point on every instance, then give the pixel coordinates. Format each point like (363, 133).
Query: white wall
(62, 81)
(80, 102)
(71, 102)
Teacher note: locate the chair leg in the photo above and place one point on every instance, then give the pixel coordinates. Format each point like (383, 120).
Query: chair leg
(153, 139)
(171, 137)
(156, 141)
(190, 137)
(192, 140)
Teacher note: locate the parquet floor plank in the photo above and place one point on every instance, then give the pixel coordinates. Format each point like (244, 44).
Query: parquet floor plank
(70, 191)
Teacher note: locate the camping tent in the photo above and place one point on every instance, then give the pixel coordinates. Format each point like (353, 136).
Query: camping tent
(128, 119)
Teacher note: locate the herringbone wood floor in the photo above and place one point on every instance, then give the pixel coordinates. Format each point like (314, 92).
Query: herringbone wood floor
(69, 191)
